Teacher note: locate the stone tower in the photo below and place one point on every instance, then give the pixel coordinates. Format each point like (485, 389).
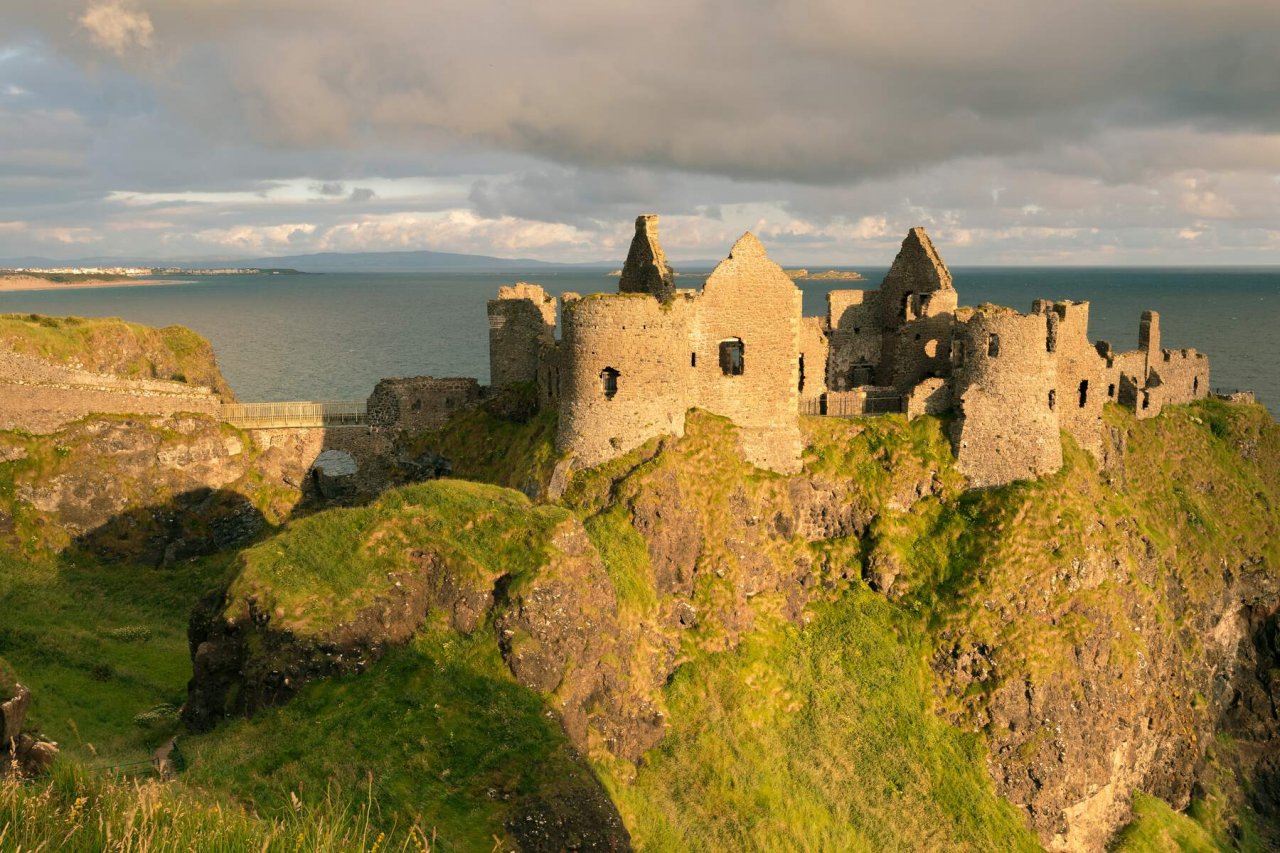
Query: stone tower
(646, 269)
(522, 321)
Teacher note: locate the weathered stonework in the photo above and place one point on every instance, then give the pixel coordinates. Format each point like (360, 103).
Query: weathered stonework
(522, 320)
(419, 403)
(630, 365)
(1004, 385)
(646, 269)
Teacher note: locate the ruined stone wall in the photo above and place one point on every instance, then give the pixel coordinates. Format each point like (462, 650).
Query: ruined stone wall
(1005, 428)
(1178, 376)
(814, 355)
(917, 270)
(1082, 374)
(930, 397)
(855, 338)
(522, 321)
(648, 346)
(917, 307)
(646, 269)
(749, 298)
(920, 349)
(419, 403)
(39, 396)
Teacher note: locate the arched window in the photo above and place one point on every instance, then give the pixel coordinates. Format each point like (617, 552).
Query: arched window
(609, 382)
(731, 357)
(1084, 392)
(993, 344)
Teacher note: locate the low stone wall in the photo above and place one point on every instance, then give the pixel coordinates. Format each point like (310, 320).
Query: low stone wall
(418, 403)
(41, 397)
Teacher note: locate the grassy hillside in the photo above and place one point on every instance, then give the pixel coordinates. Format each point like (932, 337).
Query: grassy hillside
(839, 717)
(111, 345)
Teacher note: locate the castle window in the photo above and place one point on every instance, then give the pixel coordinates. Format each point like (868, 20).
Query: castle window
(1195, 385)
(931, 349)
(1146, 399)
(731, 352)
(993, 345)
(1053, 399)
(861, 375)
(1084, 392)
(857, 330)
(908, 308)
(609, 382)
(1111, 390)
(693, 359)
(801, 387)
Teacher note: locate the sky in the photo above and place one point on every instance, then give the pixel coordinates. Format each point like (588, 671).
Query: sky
(1016, 131)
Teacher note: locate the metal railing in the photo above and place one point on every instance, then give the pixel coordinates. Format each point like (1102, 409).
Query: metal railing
(327, 413)
(840, 406)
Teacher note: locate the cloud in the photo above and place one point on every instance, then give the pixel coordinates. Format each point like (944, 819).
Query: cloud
(113, 26)
(1108, 125)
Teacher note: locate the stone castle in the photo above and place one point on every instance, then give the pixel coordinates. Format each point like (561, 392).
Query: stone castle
(628, 365)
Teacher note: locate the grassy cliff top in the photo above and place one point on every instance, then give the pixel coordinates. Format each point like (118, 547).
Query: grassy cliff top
(115, 346)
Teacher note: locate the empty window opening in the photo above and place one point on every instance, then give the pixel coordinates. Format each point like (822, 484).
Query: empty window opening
(693, 359)
(1111, 390)
(1084, 392)
(1146, 399)
(908, 308)
(801, 386)
(416, 407)
(917, 336)
(861, 374)
(1195, 385)
(857, 330)
(931, 349)
(1053, 399)
(993, 345)
(731, 353)
(609, 382)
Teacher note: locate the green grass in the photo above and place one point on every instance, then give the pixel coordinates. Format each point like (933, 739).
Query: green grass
(112, 345)
(816, 739)
(1156, 828)
(97, 647)
(494, 450)
(326, 567)
(440, 730)
(78, 810)
(8, 681)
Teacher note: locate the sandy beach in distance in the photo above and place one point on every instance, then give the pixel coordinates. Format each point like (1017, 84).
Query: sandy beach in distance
(14, 283)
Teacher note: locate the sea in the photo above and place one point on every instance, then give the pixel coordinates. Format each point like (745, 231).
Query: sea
(333, 336)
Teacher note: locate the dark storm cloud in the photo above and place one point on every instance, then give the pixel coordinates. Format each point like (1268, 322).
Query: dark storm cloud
(822, 122)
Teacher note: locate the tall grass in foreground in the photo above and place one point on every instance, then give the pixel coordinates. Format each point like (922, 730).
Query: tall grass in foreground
(75, 811)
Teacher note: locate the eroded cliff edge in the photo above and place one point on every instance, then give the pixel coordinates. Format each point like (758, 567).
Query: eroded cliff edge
(1100, 631)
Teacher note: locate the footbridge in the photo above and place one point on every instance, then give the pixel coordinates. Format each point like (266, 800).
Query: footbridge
(298, 414)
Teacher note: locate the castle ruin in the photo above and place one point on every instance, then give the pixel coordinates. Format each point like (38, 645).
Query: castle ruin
(628, 366)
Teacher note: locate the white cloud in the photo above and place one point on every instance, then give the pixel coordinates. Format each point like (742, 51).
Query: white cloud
(116, 27)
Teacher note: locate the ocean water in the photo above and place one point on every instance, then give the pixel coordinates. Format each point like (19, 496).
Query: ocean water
(333, 336)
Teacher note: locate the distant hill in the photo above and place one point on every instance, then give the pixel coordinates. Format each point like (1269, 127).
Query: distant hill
(408, 261)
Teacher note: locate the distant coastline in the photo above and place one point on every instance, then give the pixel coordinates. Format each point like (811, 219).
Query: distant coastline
(20, 282)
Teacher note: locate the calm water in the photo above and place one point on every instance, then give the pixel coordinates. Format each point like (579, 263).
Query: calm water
(334, 336)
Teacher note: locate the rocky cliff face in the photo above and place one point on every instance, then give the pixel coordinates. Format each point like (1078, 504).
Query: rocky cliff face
(1097, 629)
